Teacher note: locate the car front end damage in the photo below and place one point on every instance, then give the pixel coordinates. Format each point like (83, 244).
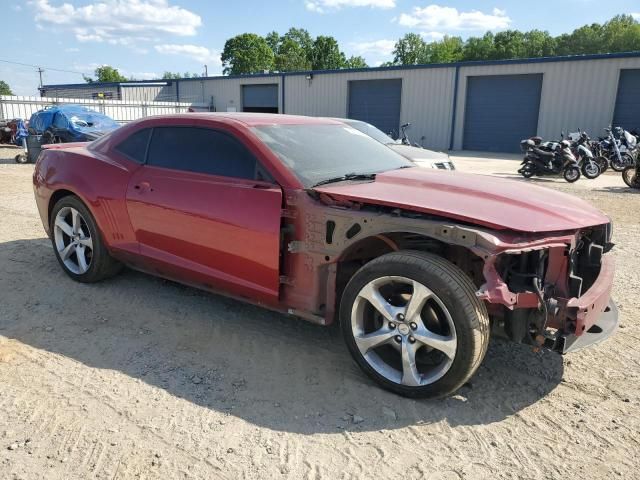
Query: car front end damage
(548, 290)
(554, 292)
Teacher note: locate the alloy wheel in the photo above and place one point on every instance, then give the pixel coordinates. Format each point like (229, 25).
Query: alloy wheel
(403, 331)
(73, 240)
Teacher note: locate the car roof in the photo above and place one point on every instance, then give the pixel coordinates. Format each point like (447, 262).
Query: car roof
(254, 119)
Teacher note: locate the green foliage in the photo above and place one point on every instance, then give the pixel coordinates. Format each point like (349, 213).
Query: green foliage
(327, 54)
(355, 62)
(620, 34)
(177, 75)
(247, 53)
(106, 73)
(4, 88)
(409, 50)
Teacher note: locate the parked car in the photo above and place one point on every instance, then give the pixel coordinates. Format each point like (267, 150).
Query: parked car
(70, 123)
(420, 156)
(310, 217)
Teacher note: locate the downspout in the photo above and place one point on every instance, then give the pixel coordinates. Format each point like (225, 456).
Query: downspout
(282, 88)
(455, 106)
(177, 91)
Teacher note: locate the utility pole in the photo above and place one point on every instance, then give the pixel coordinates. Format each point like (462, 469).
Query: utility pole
(206, 72)
(40, 70)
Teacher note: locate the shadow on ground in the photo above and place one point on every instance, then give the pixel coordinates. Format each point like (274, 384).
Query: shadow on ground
(268, 369)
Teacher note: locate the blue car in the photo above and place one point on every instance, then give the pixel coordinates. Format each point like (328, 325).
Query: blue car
(70, 123)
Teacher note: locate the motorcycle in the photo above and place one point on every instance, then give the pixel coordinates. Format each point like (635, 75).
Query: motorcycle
(631, 174)
(549, 158)
(618, 148)
(580, 142)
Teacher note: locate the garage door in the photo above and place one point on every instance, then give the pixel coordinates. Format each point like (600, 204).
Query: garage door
(260, 98)
(627, 111)
(376, 102)
(500, 111)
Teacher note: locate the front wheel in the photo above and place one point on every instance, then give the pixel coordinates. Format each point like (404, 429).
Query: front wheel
(620, 165)
(21, 158)
(413, 323)
(630, 177)
(571, 174)
(591, 170)
(527, 171)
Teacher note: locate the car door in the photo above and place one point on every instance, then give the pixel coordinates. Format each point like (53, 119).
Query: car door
(200, 215)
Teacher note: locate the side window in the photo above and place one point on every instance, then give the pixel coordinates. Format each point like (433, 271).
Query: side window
(59, 121)
(201, 150)
(135, 145)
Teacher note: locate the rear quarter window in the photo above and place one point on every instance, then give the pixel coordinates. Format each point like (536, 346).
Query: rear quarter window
(135, 145)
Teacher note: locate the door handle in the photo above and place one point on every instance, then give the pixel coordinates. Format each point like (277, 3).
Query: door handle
(143, 187)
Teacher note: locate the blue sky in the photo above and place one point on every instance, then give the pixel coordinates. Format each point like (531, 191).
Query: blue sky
(143, 38)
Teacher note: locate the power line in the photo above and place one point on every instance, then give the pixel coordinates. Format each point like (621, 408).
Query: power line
(38, 66)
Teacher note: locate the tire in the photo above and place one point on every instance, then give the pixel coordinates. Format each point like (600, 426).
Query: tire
(571, 174)
(630, 177)
(84, 242)
(603, 163)
(22, 158)
(620, 166)
(48, 137)
(591, 170)
(453, 313)
(527, 171)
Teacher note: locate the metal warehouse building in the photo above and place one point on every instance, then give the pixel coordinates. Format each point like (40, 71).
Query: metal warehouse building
(485, 106)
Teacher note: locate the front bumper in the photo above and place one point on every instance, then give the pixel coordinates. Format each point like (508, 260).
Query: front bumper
(603, 328)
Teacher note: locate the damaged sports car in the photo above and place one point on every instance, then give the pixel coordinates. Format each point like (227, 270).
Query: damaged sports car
(313, 218)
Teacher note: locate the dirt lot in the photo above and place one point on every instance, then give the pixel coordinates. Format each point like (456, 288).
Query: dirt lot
(142, 378)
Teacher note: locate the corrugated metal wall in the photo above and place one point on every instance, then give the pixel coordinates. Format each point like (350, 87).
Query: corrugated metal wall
(224, 93)
(426, 99)
(575, 94)
(149, 93)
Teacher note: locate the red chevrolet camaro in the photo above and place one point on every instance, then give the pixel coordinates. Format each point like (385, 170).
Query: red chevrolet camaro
(313, 218)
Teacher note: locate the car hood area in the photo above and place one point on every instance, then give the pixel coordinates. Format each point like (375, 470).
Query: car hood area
(478, 199)
(419, 154)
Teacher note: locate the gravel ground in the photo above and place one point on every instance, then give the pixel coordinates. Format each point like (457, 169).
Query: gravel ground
(137, 377)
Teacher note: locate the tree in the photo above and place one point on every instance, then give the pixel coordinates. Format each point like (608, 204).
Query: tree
(171, 75)
(539, 44)
(508, 44)
(106, 73)
(447, 50)
(291, 57)
(302, 38)
(355, 62)
(327, 54)
(479, 48)
(409, 50)
(246, 53)
(4, 88)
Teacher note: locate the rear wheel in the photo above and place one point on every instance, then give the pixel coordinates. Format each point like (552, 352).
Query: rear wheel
(603, 163)
(78, 244)
(21, 158)
(630, 177)
(571, 174)
(413, 323)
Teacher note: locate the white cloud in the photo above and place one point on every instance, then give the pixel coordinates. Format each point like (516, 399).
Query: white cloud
(435, 17)
(376, 47)
(636, 16)
(201, 54)
(321, 6)
(123, 22)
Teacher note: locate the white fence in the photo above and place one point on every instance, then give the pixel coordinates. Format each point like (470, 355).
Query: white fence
(122, 111)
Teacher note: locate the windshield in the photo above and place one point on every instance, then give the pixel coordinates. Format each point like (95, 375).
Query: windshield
(320, 152)
(373, 132)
